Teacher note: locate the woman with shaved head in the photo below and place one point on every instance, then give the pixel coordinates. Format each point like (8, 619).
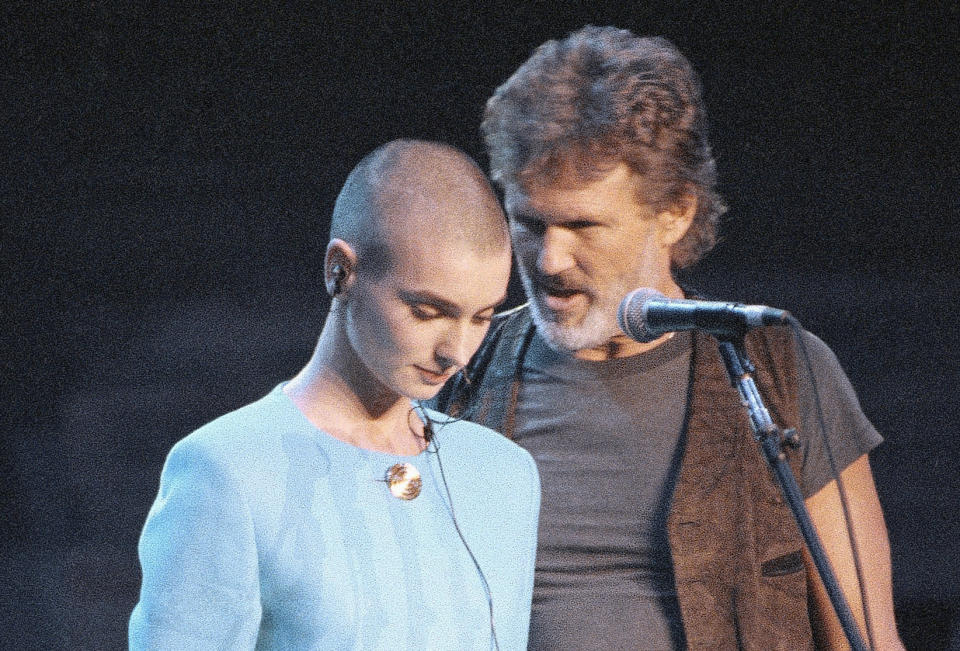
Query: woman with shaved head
(337, 512)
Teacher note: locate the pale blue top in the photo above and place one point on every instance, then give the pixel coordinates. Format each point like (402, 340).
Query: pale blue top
(268, 533)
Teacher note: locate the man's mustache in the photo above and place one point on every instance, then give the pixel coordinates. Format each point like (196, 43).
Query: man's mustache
(558, 285)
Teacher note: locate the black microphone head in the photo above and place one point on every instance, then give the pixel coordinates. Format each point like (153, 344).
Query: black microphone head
(632, 315)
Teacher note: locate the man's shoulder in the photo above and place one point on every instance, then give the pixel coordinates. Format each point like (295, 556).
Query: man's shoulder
(507, 324)
(518, 314)
(508, 330)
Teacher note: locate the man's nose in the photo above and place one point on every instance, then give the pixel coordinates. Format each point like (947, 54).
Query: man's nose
(554, 256)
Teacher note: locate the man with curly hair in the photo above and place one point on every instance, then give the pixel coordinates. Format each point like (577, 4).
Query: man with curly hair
(660, 526)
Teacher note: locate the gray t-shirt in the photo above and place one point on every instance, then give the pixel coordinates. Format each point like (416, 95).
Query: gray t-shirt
(605, 436)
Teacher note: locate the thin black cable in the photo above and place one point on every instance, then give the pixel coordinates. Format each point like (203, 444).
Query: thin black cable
(844, 502)
(428, 426)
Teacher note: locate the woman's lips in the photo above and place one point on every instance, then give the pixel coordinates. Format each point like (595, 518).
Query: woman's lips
(432, 377)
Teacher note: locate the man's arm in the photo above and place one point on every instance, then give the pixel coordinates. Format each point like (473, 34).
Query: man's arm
(873, 549)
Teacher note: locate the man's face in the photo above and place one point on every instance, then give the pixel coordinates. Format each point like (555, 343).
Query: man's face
(580, 248)
(413, 326)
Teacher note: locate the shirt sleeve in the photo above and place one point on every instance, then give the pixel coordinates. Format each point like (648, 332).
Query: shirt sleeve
(833, 429)
(197, 550)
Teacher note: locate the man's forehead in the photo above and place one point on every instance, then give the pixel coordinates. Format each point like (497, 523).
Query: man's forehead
(569, 165)
(524, 194)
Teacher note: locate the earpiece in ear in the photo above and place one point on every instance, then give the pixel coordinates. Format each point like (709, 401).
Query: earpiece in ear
(339, 274)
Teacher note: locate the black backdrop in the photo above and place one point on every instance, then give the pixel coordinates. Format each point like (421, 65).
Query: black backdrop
(168, 173)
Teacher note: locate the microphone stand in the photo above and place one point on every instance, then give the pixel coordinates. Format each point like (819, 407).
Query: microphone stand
(771, 440)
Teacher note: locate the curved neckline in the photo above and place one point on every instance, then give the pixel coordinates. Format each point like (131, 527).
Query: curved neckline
(330, 439)
(541, 357)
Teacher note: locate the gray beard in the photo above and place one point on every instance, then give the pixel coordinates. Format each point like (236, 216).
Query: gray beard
(594, 330)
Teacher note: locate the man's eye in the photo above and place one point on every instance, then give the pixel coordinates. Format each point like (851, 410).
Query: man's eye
(424, 312)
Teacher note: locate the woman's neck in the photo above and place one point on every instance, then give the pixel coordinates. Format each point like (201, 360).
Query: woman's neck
(337, 395)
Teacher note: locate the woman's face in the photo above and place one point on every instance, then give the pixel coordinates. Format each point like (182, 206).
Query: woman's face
(417, 323)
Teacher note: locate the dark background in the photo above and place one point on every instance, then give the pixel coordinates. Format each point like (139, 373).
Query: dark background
(169, 170)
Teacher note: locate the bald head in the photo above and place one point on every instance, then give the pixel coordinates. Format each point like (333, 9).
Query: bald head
(416, 190)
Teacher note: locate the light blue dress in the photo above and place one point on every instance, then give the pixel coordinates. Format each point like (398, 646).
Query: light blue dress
(268, 533)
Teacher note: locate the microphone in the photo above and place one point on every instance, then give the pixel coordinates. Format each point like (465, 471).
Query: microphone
(645, 314)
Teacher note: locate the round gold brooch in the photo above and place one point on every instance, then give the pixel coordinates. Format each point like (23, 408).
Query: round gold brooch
(404, 480)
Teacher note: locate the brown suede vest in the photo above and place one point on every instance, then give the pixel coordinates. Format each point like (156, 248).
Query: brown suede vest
(736, 549)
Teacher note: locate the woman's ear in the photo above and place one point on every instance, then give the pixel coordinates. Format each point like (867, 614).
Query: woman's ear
(339, 267)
